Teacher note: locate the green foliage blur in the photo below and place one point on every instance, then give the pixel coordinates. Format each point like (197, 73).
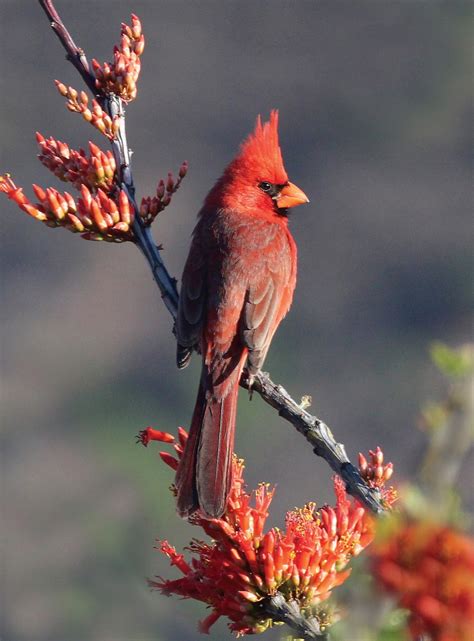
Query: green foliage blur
(430, 496)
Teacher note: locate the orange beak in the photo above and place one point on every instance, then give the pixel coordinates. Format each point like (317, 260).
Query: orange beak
(291, 196)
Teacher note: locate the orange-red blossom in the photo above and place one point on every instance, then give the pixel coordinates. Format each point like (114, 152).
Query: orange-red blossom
(69, 165)
(430, 569)
(78, 101)
(244, 565)
(104, 211)
(120, 76)
(95, 217)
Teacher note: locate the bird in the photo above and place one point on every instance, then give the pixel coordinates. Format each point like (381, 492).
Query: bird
(237, 285)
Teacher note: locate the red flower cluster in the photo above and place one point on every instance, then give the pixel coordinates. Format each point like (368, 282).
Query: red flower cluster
(151, 207)
(78, 101)
(103, 212)
(376, 474)
(75, 167)
(243, 565)
(120, 76)
(94, 217)
(430, 569)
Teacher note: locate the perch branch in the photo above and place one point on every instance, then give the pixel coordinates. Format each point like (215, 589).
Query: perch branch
(314, 430)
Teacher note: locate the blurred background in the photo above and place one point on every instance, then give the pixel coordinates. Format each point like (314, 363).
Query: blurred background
(375, 107)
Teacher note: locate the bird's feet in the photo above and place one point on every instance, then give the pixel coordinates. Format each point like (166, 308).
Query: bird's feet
(250, 382)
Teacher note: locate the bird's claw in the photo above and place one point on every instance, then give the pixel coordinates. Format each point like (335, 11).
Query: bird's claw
(250, 382)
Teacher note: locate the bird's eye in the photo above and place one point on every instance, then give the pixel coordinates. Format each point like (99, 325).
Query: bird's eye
(265, 186)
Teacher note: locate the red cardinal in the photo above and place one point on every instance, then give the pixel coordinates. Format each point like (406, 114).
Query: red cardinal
(237, 285)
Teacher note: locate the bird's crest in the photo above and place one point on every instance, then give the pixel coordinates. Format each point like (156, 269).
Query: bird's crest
(260, 153)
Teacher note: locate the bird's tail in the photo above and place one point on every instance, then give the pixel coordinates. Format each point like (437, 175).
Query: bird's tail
(204, 475)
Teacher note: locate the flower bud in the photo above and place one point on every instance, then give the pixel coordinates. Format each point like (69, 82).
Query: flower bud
(39, 193)
(124, 207)
(183, 170)
(249, 596)
(97, 216)
(170, 183)
(121, 226)
(76, 223)
(61, 88)
(169, 460)
(53, 203)
(160, 190)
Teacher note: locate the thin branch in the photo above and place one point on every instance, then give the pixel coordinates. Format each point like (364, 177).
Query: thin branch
(288, 612)
(73, 53)
(314, 430)
(143, 236)
(320, 436)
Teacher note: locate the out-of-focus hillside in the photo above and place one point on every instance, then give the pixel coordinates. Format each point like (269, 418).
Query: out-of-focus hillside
(375, 105)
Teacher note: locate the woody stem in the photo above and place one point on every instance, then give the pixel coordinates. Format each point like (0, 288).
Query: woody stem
(143, 236)
(288, 612)
(314, 429)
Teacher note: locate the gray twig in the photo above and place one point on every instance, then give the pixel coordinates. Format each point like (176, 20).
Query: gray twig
(315, 430)
(288, 612)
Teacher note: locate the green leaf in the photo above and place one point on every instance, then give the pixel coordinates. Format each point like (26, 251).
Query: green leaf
(454, 363)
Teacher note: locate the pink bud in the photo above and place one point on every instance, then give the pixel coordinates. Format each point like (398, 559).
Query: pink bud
(183, 170)
(119, 64)
(169, 460)
(125, 29)
(144, 207)
(160, 190)
(97, 109)
(98, 170)
(78, 226)
(136, 26)
(377, 456)
(39, 193)
(121, 226)
(139, 46)
(34, 212)
(269, 542)
(155, 207)
(63, 149)
(94, 149)
(248, 596)
(86, 196)
(97, 216)
(53, 203)
(71, 203)
(61, 88)
(362, 463)
(124, 207)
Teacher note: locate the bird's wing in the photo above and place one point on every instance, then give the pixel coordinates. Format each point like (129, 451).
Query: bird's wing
(268, 298)
(192, 303)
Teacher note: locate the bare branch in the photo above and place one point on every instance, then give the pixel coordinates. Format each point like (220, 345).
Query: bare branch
(320, 436)
(73, 53)
(314, 430)
(288, 612)
(143, 236)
